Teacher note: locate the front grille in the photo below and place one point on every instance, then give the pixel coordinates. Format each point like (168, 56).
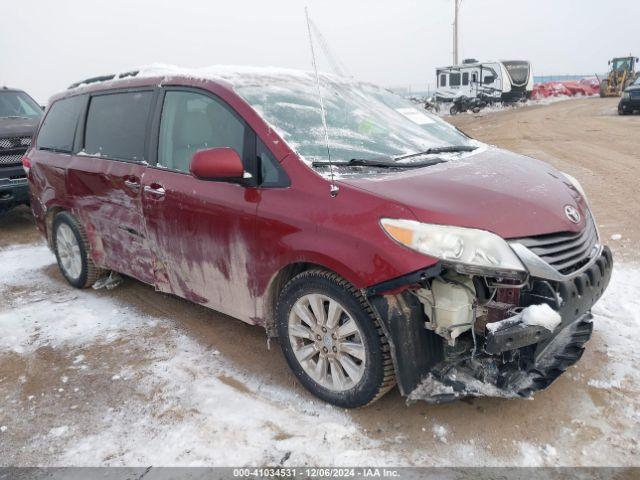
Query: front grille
(14, 142)
(634, 94)
(566, 251)
(11, 159)
(12, 149)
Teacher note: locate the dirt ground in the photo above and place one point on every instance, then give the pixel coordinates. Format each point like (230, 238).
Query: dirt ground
(582, 137)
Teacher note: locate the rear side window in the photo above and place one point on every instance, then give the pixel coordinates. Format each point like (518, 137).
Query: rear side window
(59, 127)
(117, 124)
(443, 80)
(465, 78)
(454, 80)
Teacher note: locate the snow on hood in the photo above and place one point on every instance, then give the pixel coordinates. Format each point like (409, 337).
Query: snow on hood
(508, 194)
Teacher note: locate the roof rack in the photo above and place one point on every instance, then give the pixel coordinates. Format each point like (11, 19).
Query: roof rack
(104, 78)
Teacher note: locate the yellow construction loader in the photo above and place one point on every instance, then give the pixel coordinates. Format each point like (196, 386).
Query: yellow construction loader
(622, 74)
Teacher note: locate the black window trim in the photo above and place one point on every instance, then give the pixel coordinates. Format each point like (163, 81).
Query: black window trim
(81, 131)
(250, 158)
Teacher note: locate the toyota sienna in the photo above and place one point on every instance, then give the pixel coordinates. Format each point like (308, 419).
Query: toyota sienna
(378, 243)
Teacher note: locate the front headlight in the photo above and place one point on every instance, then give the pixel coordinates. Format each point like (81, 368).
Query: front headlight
(626, 95)
(467, 250)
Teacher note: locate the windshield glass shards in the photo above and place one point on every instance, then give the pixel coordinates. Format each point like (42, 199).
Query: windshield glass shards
(366, 124)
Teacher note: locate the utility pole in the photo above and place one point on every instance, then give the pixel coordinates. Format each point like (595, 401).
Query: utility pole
(456, 9)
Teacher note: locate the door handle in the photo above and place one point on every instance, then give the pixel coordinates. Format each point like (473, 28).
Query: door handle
(157, 190)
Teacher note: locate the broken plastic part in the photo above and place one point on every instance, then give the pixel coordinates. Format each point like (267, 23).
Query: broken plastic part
(506, 376)
(109, 282)
(449, 305)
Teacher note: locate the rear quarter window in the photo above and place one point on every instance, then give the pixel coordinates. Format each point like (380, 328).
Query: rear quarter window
(59, 126)
(116, 125)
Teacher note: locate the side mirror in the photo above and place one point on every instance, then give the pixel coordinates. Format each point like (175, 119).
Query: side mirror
(217, 164)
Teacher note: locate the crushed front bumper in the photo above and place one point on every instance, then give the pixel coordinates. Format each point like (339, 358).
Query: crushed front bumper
(426, 370)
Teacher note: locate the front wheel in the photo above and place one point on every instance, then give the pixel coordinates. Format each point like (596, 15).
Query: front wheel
(331, 340)
(71, 247)
(604, 87)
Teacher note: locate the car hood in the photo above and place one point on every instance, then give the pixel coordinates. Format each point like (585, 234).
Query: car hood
(491, 189)
(18, 127)
(633, 88)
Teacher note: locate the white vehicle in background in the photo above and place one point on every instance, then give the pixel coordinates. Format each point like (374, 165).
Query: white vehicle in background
(505, 81)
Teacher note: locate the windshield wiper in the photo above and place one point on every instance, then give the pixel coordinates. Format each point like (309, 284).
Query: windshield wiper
(444, 149)
(362, 162)
(392, 162)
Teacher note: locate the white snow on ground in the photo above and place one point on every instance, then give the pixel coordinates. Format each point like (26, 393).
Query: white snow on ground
(617, 319)
(188, 405)
(498, 107)
(21, 261)
(220, 424)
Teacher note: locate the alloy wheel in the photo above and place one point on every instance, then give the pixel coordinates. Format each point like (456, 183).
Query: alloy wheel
(68, 251)
(327, 342)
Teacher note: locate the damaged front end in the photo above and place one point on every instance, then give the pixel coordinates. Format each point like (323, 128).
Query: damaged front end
(457, 333)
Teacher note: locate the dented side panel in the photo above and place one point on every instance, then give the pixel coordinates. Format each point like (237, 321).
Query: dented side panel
(203, 235)
(108, 204)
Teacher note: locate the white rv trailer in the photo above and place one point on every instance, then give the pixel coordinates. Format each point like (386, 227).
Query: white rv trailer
(502, 81)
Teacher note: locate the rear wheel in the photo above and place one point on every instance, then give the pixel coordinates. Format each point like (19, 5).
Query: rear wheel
(71, 247)
(332, 341)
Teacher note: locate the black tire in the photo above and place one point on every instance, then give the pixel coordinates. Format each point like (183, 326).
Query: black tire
(89, 273)
(603, 88)
(378, 377)
(453, 110)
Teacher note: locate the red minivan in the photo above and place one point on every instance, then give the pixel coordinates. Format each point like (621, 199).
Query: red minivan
(381, 247)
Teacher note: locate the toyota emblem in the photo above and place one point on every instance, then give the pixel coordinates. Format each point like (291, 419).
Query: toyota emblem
(572, 213)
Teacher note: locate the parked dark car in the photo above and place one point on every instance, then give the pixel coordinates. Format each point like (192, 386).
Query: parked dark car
(19, 118)
(402, 252)
(630, 100)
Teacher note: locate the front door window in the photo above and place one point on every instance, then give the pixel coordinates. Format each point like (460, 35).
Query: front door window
(191, 122)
